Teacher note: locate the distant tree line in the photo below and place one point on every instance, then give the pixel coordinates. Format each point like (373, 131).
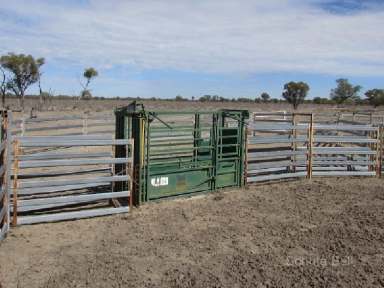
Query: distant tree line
(295, 93)
(18, 72)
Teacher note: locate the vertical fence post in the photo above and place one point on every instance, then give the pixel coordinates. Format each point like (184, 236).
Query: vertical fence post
(379, 154)
(5, 163)
(130, 173)
(4, 208)
(293, 144)
(246, 157)
(113, 166)
(85, 124)
(9, 162)
(22, 126)
(16, 149)
(372, 146)
(310, 147)
(254, 121)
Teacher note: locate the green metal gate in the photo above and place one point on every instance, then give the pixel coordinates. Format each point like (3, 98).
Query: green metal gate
(179, 153)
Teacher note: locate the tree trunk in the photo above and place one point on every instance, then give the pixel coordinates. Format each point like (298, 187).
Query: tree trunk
(3, 87)
(41, 100)
(22, 101)
(3, 99)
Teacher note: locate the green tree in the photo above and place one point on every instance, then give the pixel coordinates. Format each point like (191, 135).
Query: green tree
(320, 100)
(89, 74)
(44, 96)
(215, 98)
(24, 70)
(375, 97)
(205, 98)
(295, 93)
(265, 96)
(345, 91)
(317, 100)
(3, 86)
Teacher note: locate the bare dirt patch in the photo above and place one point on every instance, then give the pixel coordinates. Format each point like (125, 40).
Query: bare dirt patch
(320, 233)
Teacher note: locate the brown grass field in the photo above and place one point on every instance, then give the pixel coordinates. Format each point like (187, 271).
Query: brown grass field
(325, 232)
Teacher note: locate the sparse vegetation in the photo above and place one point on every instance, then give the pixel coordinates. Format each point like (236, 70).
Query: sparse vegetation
(295, 93)
(265, 97)
(19, 71)
(345, 92)
(375, 97)
(3, 86)
(24, 71)
(180, 98)
(322, 100)
(89, 74)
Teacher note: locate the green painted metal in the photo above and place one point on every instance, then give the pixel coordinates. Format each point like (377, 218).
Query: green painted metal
(180, 153)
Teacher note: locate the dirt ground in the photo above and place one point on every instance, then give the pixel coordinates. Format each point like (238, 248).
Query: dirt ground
(319, 233)
(71, 106)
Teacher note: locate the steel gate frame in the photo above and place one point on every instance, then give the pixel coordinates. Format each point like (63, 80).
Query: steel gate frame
(134, 121)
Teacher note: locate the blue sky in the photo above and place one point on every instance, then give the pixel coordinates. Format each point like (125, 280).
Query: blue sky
(153, 48)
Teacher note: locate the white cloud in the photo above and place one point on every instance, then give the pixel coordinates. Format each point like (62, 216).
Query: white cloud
(200, 35)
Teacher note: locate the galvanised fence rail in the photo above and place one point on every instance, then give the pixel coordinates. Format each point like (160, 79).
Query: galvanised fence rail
(83, 124)
(375, 119)
(277, 146)
(58, 185)
(295, 145)
(52, 172)
(345, 150)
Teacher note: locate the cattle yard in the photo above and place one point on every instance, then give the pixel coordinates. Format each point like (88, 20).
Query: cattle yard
(285, 188)
(77, 167)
